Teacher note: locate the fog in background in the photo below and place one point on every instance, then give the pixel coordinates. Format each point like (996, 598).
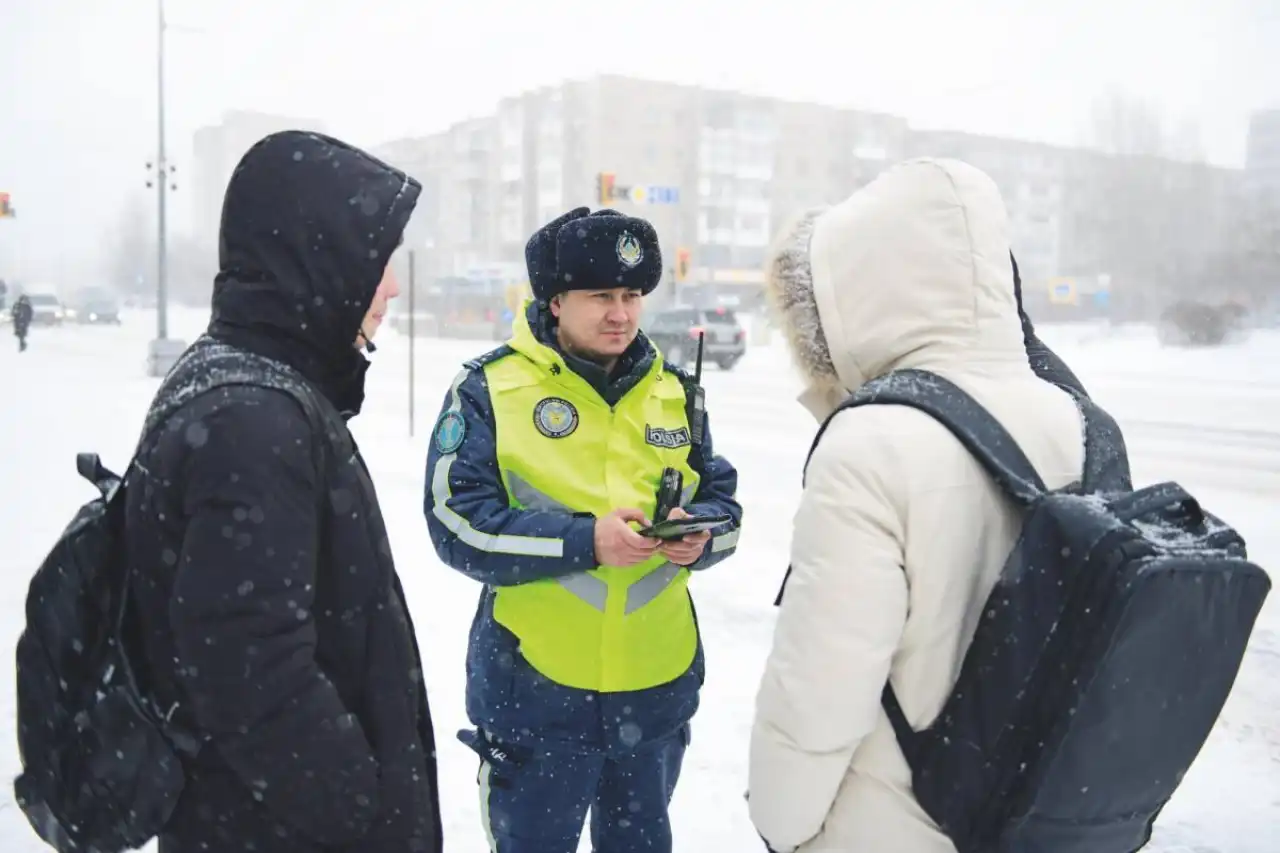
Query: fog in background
(78, 98)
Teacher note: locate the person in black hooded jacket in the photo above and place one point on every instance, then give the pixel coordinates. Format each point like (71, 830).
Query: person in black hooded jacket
(272, 621)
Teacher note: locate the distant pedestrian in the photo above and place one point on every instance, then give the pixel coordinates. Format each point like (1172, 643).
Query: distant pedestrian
(21, 316)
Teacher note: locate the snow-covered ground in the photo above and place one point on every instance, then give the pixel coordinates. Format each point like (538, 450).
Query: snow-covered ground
(1205, 418)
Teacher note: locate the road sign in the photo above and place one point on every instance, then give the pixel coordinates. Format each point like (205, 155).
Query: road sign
(655, 195)
(1062, 291)
(608, 190)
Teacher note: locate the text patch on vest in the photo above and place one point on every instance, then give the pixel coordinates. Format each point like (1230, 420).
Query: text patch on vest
(669, 438)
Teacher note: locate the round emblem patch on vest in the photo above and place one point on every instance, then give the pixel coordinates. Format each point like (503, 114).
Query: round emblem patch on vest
(451, 429)
(555, 418)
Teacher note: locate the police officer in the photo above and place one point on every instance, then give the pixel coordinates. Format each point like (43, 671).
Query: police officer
(584, 662)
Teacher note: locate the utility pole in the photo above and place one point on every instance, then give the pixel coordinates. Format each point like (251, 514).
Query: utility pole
(162, 188)
(163, 351)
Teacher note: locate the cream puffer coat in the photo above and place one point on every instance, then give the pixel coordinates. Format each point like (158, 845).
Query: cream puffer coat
(900, 534)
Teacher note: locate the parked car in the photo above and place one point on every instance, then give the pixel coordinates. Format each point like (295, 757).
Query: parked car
(675, 332)
(46, 309)
(95, 305)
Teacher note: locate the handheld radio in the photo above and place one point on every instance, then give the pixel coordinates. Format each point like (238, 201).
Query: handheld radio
(668, 493)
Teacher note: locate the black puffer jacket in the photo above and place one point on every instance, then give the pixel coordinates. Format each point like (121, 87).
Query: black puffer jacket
(271, 613)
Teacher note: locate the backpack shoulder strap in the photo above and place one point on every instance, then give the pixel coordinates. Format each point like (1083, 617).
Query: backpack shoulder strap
(975, 428)
(1106, 457)
(971, 424)
(210, 364)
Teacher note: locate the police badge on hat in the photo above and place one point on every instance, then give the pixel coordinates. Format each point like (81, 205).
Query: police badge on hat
(555, 418)
(630, 252)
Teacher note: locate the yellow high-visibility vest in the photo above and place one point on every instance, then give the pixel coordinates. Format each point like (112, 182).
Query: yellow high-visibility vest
(560, 447)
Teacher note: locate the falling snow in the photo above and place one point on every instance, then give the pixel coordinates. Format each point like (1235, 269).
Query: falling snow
(1206, 419)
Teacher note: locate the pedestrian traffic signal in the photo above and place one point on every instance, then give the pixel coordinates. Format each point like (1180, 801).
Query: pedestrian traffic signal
(683, 260)
(6, 209)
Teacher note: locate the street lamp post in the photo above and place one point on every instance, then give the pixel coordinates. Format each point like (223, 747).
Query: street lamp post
(162, 179)
(163, 351)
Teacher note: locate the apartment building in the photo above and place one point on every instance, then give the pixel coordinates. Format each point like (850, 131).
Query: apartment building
(717, 173)
(720, 173)
(1262, 158)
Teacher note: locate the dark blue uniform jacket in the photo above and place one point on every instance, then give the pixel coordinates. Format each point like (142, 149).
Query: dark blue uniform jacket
(506, 696)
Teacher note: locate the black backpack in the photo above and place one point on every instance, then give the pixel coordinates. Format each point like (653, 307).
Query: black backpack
(1102, 659)
(101, 768)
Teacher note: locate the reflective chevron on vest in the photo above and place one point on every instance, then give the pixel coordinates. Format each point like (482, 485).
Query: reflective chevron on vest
(588, 587)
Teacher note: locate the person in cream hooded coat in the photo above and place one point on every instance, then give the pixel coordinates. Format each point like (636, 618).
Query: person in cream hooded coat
(900, 534)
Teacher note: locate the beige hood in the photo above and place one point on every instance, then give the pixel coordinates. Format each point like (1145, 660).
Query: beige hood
(912, 270)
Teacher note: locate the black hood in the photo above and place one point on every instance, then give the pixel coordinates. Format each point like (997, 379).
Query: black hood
(308, 226)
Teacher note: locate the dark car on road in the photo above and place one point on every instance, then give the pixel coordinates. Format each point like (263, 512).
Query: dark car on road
(95, 306)
(675, 332)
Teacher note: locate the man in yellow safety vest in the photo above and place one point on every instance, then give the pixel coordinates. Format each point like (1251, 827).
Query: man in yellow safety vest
(585, 662)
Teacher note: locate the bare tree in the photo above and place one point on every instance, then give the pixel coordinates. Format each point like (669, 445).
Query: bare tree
(192, 267)
(1126, 125)
(1246, 263)
(131, 257)
(131, 251)
(1147, 210)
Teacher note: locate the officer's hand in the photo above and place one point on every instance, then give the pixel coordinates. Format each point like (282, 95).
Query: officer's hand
(617, 544)
(685, 551)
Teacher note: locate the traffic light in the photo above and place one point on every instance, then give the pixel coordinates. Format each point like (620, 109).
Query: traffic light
(683, 261)
(6, 209)
(604, 186)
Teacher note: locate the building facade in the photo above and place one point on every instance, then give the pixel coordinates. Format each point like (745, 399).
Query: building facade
(720, 173)
(1262, 158)
(717, 173)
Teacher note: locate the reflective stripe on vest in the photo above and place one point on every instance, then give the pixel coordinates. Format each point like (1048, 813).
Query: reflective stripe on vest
(587, 587)
(606, 628)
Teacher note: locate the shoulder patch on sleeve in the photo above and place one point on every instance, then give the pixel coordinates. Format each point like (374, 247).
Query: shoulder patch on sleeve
(490, 357)
(450, 431)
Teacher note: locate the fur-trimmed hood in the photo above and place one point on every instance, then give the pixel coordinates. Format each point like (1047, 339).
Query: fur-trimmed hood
(912, 270)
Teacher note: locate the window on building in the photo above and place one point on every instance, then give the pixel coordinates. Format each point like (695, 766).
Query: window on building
(718, 113)
(714, 256)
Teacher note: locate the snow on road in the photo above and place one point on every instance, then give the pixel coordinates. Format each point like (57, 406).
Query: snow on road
(1206, 418)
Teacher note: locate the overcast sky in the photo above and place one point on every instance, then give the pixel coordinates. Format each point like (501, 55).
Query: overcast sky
(78, 93)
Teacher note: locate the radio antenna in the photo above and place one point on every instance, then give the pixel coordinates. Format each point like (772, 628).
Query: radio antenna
(697, 371)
